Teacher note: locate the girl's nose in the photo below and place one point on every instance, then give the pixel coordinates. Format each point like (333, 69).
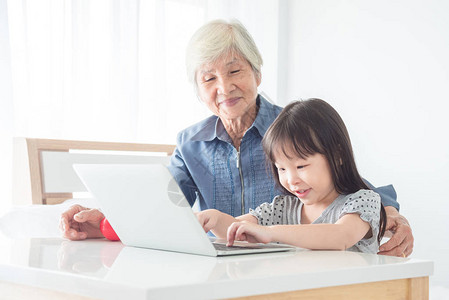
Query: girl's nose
(293, 179)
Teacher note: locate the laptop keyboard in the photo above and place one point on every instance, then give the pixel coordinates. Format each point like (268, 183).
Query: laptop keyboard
(223, 247)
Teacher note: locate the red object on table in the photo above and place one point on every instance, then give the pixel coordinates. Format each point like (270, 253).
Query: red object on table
(107, 230)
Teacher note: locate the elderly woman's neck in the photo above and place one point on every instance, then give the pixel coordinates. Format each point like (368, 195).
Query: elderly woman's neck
(236, 128)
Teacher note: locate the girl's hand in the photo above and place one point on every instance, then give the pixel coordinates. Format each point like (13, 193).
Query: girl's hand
(208, 218)
(248, 231)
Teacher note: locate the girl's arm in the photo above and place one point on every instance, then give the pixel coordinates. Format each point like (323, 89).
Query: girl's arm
(348, 230)
(218, 222)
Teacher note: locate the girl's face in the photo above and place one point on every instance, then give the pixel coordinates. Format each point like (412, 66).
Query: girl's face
(309, 179)
(228, 86)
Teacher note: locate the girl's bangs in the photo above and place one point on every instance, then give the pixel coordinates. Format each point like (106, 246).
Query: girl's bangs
(301, 142)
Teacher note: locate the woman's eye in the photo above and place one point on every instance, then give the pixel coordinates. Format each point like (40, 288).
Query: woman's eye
(235, 71)
(209, 79)
(300, 167)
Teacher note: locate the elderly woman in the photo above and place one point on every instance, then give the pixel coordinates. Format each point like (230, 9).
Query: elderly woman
(219, 161)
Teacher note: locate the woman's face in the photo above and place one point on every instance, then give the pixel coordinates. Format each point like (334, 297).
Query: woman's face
(228, 86)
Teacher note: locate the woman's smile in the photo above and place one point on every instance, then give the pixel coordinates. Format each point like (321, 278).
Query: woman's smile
(230, 101)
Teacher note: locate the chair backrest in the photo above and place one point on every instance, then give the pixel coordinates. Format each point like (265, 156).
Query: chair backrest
(42, 168)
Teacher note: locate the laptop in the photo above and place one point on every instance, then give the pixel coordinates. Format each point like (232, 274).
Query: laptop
(147, 209)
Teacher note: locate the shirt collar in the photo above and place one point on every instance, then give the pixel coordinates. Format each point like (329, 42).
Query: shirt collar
(261, 123)
(265, 116)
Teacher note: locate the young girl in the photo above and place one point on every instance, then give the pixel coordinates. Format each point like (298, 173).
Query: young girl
(327, 204)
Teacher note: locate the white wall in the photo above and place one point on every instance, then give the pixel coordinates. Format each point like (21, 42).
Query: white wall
(384, 65)
(6, 111)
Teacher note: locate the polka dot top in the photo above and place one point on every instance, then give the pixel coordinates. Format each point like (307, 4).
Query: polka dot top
(286, 210)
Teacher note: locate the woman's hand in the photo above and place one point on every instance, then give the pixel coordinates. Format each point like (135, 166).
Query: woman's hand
(248, 231)
(208, 218)
(401, 242)
(79, 223)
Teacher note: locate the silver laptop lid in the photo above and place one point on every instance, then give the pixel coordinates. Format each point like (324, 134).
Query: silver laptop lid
(145, 207)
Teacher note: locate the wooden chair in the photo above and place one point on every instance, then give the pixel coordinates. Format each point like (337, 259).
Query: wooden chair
(42, 168)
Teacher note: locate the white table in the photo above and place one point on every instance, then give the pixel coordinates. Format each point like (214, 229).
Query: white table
(99, 269)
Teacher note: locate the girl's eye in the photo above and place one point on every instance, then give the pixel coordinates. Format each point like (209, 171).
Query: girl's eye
(235, 71)
(300, 167)
(281, 169)
(209, 79)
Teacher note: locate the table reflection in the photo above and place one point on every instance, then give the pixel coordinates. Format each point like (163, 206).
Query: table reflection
(116, 263)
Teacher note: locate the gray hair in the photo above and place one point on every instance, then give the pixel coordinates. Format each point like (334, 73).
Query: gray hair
(217, 38)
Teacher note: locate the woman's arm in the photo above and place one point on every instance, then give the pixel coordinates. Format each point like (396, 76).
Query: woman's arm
(181, 174)
(401, 241)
